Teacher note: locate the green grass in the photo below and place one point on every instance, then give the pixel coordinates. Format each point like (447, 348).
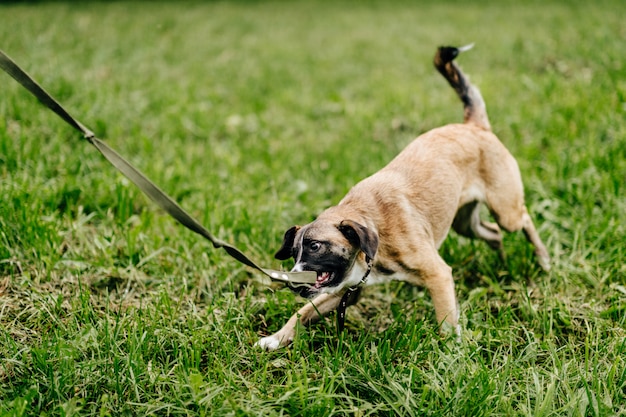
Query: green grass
(257, 116)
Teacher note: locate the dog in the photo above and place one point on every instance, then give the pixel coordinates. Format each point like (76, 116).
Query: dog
(390, 225)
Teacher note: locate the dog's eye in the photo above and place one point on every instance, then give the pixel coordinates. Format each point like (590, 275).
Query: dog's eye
(315, 246)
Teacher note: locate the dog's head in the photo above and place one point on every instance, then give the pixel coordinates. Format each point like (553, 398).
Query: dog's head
(332, 251)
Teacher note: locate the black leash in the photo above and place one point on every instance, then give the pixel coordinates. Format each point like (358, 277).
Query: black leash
(163, 200)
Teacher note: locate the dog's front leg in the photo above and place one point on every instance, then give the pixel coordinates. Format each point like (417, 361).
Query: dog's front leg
(446, 307)
(437, 277)
(311, 312)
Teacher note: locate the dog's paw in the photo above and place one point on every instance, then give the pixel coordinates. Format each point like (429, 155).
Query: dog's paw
(544, 260)
(448, 329)
(455, 332)
(270, 343)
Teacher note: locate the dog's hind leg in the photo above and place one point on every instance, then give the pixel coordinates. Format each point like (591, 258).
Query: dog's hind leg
(515, 217)
(467, 223)
(533, 237)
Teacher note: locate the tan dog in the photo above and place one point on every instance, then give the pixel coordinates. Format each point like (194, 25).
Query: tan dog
(392, 223)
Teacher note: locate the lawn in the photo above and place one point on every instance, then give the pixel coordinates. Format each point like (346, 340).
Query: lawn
(256, 116)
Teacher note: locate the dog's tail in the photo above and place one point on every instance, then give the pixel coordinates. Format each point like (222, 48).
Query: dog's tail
(474, 105)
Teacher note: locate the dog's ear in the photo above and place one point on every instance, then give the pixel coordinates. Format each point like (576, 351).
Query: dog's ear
(285, 250)
(360, 236)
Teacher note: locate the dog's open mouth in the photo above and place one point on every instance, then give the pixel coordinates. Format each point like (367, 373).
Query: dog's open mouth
(323, 278)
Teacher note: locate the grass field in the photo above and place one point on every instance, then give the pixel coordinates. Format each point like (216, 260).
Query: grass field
(256, 116)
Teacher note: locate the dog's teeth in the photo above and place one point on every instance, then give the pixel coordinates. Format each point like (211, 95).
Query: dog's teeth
(322, 278)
